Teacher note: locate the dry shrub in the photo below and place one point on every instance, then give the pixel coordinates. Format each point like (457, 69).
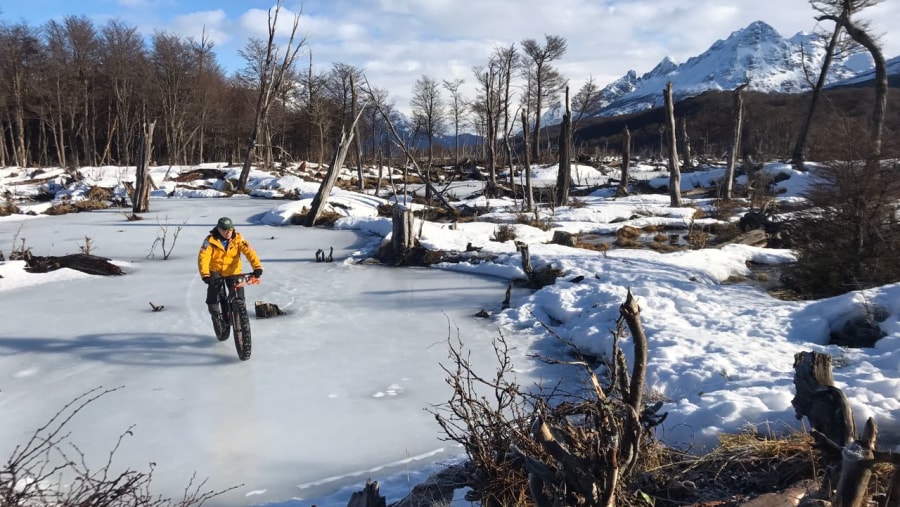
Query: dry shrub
(723, 209)
(577, 203)
(627, 243)
(852, 238)
(9, 208)
(534, 221)
(98, 194)
(75, 207)
(628, 232)
(664, 247)
(504, 233)
(596, 247)
(326, 218)
(487, 426)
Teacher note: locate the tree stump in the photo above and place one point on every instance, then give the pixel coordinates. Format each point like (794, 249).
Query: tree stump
(563, 238)
(266, 310)
(369, 497)
(819, 400)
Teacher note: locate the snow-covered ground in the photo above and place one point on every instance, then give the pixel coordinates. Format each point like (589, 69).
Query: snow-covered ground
(337, 389)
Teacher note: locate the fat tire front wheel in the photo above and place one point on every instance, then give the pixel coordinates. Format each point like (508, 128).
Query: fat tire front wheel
(241, 323)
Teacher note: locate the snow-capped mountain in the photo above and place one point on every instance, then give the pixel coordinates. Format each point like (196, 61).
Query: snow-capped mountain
(893, 69)
(756, 54)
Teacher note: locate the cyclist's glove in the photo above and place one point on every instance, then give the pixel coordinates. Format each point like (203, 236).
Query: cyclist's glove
(206, 280)
(257, 273)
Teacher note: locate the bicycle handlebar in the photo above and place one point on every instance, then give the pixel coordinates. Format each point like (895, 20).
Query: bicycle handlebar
(242, 278)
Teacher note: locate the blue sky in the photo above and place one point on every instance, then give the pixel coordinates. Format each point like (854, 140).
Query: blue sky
(397, 41)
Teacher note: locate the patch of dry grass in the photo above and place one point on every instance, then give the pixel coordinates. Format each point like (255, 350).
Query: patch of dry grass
(741, 466)
(9, 208)
(76, 207)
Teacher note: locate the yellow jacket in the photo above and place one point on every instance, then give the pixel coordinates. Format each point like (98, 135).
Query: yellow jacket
(214, 258)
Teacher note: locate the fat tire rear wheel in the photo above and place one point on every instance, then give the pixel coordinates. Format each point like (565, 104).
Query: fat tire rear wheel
(241, 324)
(221, 327)
(224, 329)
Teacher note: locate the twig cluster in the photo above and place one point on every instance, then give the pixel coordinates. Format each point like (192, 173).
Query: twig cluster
(51, 470)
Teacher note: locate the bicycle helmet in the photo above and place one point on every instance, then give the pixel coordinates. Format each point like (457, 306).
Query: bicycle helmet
(225, 223)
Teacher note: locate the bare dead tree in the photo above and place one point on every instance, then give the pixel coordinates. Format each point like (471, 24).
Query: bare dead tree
(142, 181)
(487, 106)
(529, 192)
(546, 79)
(564, 173)
(799, 154)
(687, 158)
(429, 112)
(340, 154)
(734, 149)
(859, 34)
(398, 141)
(271, 77)
(674, 170)
(622, 190)
(456, 110)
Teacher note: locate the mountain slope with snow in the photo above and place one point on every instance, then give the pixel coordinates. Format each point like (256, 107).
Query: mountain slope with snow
(757, 55)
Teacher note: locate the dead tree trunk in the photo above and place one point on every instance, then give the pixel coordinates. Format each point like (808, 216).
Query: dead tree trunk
(141, 199)
(398, 141)
(564, 175)
(881, 81)
(686, 145)
(734, 149)
(622, 191)
(321, 198)
(798, 157)
(529, 192)
(674, 170)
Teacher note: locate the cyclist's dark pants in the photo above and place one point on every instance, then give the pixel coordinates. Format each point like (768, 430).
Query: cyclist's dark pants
(212, 291)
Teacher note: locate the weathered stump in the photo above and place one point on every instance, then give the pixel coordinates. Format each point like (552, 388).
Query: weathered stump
(266, 310)
(819, 400)
(369, 497)
(402, 237)
(563, 238)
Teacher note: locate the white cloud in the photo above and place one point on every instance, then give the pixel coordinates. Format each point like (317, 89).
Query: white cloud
(396, 41)
(212, 24)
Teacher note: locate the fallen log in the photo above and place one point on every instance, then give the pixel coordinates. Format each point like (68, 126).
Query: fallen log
(86, 263)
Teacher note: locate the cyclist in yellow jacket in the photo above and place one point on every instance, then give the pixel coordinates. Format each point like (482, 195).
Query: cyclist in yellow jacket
(220, 256)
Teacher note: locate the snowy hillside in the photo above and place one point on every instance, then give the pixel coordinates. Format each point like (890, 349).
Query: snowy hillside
(756, 54)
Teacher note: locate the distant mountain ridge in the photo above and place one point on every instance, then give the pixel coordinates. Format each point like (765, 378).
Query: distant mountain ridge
(756, 54)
